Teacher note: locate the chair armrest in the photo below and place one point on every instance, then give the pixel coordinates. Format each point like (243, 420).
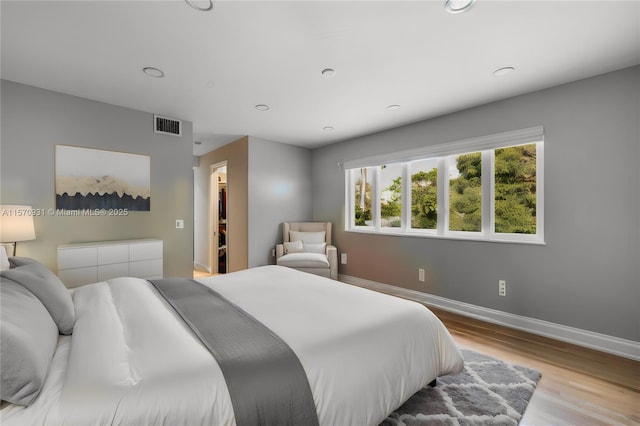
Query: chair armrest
(279, 251)
(332, 256)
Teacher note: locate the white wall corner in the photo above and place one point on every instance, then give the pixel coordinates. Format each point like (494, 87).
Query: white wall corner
(589, 339)
(200, 267)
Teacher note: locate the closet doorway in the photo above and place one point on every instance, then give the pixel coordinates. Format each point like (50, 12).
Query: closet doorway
(218, 201)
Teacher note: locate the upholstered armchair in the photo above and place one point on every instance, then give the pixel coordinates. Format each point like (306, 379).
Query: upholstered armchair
(306, 246)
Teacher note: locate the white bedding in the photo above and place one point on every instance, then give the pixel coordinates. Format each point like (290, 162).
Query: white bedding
(131, 359)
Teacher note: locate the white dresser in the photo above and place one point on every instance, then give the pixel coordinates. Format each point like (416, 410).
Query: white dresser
(87, 263)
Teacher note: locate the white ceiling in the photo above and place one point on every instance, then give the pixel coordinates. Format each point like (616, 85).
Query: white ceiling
(219, 64)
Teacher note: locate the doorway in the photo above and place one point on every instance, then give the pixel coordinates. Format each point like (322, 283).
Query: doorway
(218, 199)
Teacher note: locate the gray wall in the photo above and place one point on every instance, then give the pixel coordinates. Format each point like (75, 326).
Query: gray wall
(268, 183)
(279, 191)
(35, 120)
(587, 275)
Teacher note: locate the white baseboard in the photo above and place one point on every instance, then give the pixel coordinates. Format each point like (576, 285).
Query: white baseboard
(200, 267)
(589, 339)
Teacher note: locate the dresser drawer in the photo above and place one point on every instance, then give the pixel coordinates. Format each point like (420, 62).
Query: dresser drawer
(146, 268)
(77, 257)
(114, 270)
(145, 251)
(113, 254)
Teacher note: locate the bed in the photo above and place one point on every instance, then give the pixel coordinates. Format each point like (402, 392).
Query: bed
(132, 360)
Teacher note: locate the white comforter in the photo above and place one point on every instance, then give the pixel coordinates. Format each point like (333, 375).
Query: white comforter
(131, 360)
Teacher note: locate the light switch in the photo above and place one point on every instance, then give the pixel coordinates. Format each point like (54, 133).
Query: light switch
(179, 223)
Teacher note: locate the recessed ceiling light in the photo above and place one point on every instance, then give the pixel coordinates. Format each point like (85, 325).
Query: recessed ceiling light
(153, 72)
(503, 71)
(328, 72)
(457, 6)
(392, 107)
(200, 5)
(328, 128)
(262, 107)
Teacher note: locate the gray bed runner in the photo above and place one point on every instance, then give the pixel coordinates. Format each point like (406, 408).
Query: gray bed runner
(266, 381)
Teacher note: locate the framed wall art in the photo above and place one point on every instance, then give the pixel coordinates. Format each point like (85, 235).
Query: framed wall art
(89, 178)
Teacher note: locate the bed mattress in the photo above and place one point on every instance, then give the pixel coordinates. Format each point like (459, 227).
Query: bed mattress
(132, 360)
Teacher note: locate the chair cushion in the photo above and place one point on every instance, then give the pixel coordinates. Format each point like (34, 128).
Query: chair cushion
(304, 260)
(315, 248)
(293, 247)
(307, 237)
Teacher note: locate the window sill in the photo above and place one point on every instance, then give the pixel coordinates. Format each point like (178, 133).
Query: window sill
(418, 234)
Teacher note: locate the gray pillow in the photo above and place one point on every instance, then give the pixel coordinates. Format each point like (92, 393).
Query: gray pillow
(4, 260)
(49, 289)
(19, 261)
(29, 337)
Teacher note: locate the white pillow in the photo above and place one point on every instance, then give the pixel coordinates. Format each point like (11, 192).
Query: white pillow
(307, 237)
(293, 247)
(315, 248)
(4, 260)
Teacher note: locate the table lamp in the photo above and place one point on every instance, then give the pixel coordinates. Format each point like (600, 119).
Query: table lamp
(16, 224)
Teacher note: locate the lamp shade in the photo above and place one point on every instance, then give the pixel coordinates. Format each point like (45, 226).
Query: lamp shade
(16, 223)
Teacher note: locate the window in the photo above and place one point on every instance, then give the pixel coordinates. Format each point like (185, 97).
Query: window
(391, 196)
(362, 196)
(465, 192)
(424, 194)
(515, 190)
(487, 188)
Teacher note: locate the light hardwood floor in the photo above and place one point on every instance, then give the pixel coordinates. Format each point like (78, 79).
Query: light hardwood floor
(579, 386)
(201, 274)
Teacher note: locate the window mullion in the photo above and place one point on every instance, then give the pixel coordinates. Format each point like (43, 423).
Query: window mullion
(488, 191)
(540, 191)
(375, 203)
(443, 196)
(348, 199)
(405, 222)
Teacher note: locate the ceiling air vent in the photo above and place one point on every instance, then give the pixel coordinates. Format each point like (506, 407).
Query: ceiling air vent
(167, 126)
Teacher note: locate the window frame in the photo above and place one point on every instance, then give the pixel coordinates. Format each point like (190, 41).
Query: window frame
(486, 145)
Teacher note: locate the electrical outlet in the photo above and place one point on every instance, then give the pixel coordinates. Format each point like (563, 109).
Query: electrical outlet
(502, 288)
(273, 253)
(343, 258)
(420, 274)
(179, 224)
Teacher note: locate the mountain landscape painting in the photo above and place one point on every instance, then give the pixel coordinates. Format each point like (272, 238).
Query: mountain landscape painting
(88, 178)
